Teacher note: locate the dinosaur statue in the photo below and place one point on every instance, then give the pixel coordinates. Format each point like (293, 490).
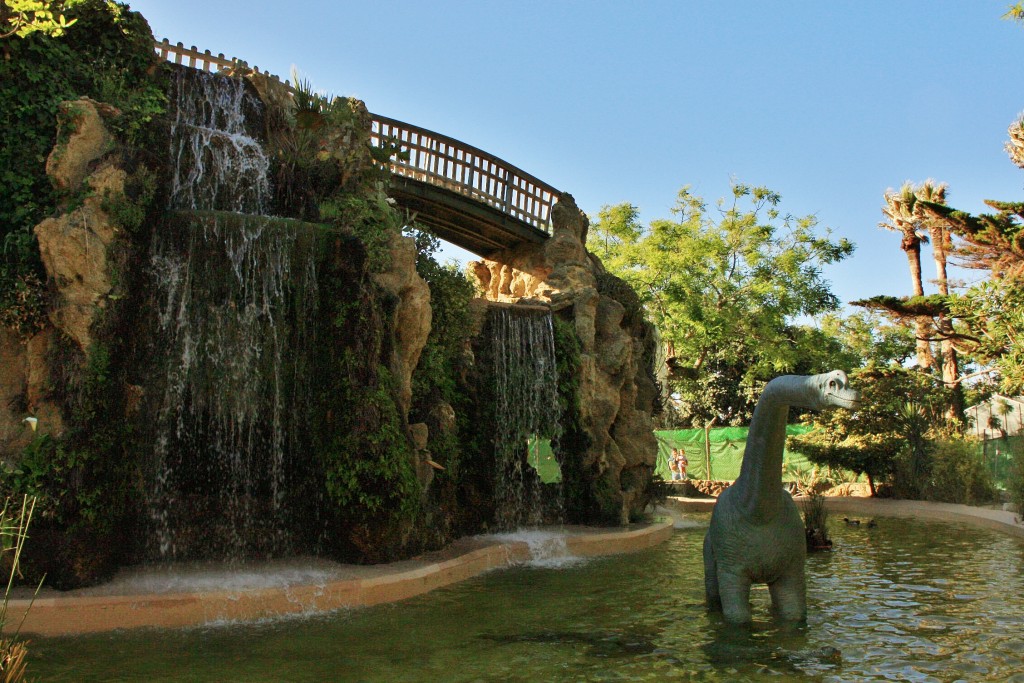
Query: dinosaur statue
(756, 534)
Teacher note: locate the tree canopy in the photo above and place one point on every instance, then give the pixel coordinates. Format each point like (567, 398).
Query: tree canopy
(24, 17)
(723, 284)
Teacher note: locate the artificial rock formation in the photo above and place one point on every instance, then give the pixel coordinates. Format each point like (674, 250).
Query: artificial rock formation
(412, 313)
(75, 245)
(617, 389)
(412, 327)
(74, 249)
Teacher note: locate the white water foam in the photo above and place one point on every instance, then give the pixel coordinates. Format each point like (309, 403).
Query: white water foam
(679, 519)
(548, 549)
(200, 577)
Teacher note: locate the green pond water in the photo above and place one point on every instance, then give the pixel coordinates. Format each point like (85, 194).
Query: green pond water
(905, 601)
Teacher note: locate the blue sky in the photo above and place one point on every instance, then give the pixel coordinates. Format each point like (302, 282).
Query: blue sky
(827, 103)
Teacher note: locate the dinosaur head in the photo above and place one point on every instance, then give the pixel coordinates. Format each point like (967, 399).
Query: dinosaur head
(833, 389)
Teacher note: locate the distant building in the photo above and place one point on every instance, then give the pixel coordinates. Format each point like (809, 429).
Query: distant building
(997, 417)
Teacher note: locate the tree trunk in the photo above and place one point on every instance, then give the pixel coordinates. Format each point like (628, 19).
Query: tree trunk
(922, 330)
(950, 367)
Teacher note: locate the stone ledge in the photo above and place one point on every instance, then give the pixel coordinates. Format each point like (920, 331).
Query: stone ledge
(105, 609)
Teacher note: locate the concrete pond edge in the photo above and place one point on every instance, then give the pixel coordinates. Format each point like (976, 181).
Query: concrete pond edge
(105, 608)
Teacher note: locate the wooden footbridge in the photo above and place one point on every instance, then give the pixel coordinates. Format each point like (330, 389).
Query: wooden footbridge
(465, 195)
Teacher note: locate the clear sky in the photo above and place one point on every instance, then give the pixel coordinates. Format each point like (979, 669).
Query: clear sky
(827, 103)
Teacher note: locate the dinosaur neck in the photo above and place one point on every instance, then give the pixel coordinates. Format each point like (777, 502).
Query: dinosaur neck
(760, 481)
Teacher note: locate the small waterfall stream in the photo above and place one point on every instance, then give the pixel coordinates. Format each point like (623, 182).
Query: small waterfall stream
(218, 163)
(526, 395)
(234, 290)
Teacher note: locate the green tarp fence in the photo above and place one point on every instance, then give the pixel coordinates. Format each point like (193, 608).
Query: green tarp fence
(727, 444)
(997, 456)
(726, 450)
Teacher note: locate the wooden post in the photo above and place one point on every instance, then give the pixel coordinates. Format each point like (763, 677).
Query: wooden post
(707, 449)
(707, 445)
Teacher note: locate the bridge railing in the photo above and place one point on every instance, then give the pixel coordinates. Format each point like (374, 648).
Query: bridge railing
(205, 60)
(433, 158)
(446, 162)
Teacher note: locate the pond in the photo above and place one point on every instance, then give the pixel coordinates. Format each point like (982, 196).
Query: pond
(905, 600)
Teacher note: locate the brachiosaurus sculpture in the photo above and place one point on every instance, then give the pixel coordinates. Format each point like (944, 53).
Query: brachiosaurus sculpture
(756, 534)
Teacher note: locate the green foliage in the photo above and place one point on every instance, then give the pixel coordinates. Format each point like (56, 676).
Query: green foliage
(84, 481)
(324, 149)
(886, 435)
(958, 475)
(568, 366)
(589, 497)
(450, 325)
(22, 300)
(22, 18)
(722, 286)
(128, 211)
(1015, 483)
(868, 339)
(898, 435)
(993, 313)
(141, 102)
(371, 217)
(43, 464)
(369, 474)
(364, 476)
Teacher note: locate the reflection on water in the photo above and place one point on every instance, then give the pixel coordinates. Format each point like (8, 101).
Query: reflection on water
(907, 600)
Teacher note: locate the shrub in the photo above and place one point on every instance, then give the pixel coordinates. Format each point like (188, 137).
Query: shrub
(958, 475)
(1015, 482)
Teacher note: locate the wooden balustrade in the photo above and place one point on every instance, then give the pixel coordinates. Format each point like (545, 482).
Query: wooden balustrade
(205, 60)
(433, 158)
(446, 162)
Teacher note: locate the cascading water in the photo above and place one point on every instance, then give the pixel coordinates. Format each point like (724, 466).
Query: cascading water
(233, 293)
(526, 407)
(218, 163)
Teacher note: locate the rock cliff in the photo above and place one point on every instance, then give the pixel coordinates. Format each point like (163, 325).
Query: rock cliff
(617, 388)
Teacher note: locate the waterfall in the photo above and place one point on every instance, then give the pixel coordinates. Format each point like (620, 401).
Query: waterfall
(218, 163)
(233, 294)
(526, 406)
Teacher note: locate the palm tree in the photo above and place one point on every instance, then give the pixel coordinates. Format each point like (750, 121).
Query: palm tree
(930, 192)
(1015, 145)
(899, 209)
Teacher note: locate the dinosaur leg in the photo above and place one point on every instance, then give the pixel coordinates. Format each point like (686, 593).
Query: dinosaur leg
(711, 594)
(735, 594)
(789, 595)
